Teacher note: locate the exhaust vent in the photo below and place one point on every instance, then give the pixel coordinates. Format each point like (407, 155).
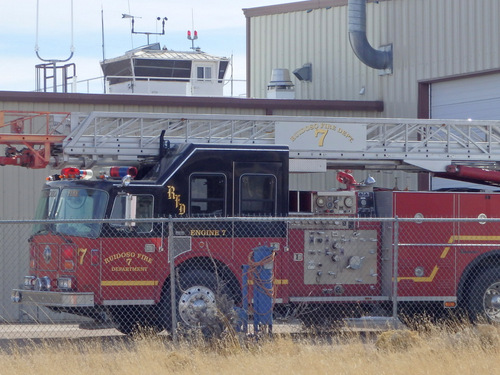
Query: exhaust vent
(304, 73)
(376, 59)
(280, 86)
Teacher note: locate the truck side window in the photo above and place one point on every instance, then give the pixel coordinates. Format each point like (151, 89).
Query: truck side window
(143, 210)
(206, 195)
(258, 194)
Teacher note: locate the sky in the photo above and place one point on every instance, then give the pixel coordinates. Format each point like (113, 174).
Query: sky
(220, 25)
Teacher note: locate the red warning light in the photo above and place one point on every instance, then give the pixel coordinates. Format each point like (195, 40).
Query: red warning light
(70, 172)
(120, 172)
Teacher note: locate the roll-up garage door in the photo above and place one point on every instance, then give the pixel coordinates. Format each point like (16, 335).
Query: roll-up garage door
(476, 98)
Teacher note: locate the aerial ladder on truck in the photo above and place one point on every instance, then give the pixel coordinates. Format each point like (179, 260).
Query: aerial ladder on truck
(461, 149)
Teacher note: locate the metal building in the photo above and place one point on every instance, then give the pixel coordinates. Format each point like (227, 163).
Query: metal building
(445, 54)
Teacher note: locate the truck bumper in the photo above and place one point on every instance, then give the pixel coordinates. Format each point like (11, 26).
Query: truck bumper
(59, 299)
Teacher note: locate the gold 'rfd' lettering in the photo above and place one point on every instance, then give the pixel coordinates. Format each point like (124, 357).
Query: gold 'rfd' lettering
(177, 199)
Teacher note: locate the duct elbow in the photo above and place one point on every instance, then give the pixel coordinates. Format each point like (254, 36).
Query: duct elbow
(376, 59)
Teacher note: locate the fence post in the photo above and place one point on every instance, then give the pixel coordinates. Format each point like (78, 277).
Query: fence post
(171, 259)
(395, 271)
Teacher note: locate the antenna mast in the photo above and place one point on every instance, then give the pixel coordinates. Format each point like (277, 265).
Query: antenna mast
(147, 33)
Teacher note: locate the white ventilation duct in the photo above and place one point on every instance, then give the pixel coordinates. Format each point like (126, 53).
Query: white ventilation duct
(377, 59)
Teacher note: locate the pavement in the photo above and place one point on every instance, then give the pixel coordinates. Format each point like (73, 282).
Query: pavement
(26, 335)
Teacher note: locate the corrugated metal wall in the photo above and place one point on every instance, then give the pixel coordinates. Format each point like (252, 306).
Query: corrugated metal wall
(432, 39)
(230, 109)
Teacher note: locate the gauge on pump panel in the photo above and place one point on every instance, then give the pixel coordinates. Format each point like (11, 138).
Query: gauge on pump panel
(348, 202)
(320, 201)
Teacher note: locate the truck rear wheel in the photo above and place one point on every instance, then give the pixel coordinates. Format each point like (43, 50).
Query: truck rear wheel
(484, 301)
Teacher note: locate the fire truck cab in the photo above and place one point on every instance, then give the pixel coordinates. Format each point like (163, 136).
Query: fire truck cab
(121, 267)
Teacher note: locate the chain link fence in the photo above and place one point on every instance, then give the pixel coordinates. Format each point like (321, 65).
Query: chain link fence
(70, 278)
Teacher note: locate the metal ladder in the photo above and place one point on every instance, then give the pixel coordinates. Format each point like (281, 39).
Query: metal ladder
(400, 143)
(107, 137)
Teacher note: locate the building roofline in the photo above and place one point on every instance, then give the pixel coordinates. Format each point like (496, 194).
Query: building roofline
(292, 7)
(296, 7)
(192, 101)
(166, 55)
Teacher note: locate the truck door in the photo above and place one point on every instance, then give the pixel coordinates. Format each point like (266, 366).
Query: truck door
(131, 253)
(257, 191)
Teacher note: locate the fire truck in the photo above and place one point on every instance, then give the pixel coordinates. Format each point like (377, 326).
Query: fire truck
(332, 249)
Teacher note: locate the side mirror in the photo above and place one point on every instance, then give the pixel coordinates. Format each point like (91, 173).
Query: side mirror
(130, 209)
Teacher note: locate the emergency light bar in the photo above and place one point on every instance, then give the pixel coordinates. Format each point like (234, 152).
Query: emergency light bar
(72, 173)
(118, 172)
(75, 173)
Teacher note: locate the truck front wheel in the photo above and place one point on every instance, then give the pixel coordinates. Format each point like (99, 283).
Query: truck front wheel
(484, 301)
(202, 302)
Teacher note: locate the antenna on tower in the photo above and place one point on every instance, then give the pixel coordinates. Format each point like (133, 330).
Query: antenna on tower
(147, 33)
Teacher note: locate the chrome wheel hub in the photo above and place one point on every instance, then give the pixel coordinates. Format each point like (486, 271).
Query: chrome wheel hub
(491, 302)
(197, 306)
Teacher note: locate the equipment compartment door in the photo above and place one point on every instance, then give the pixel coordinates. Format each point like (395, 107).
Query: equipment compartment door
(426, 261)
(478, 236)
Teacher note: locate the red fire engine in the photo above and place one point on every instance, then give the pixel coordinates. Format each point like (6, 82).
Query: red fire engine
(333, 249)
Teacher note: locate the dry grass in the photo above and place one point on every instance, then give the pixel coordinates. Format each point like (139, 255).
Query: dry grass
(456, 350)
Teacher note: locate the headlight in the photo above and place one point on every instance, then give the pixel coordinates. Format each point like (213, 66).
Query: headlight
(29, 282)
(16, 296)
(65, 283)
(42, 283)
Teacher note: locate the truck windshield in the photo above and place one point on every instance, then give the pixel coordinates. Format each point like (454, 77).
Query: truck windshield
(45, 209)
(46, 204)
(72, 203)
